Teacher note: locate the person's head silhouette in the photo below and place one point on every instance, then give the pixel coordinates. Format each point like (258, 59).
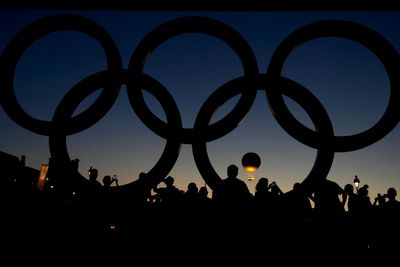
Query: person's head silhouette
(169, 181)
(232, 171)
(93, 173)
(203, 191)
(107, 181)
(349, 189)
(262, 184)
(391, 193)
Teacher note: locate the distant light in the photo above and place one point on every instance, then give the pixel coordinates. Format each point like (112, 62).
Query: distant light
(113, 226)
(42, 176)
(51, 186)
(356, 181)
(250, 178)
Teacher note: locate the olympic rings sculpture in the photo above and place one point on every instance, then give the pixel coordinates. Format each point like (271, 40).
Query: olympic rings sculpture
(272, 82)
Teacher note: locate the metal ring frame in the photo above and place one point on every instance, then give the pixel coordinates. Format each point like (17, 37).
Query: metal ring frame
(272, 82)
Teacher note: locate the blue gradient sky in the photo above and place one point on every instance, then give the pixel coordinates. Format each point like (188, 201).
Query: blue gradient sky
(346, 77)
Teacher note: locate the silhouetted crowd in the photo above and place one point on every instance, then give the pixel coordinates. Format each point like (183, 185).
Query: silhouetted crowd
(167, 226)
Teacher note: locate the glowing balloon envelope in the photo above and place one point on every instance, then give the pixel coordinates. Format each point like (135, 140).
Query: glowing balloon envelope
(251, 161)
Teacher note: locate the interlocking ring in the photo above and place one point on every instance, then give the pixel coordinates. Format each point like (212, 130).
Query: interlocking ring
(24, 39)
(67, 106)
(386, 53)
(273, 83)
(176, 27)
(281, 86)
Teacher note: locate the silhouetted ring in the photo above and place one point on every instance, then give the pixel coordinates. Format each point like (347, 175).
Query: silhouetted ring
(322, 138)
(25, 38)
(171, 29)
(64, 111)
(283, 86)
(386, 53)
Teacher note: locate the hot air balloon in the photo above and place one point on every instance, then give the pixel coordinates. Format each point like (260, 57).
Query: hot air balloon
(251, 162)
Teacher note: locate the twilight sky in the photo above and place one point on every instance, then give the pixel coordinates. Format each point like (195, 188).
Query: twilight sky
(346, 77)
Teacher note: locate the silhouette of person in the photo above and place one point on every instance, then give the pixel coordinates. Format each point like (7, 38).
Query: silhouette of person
(348, 199)
(349, 202)
(361, 216)
(328, 204)
(168, 195)
(168, 205)
(143, 191)
(391, 208)
(205, 203)
(108, 181)
(91, 195)
(328, 218)
(203, 193)
(93, 175)
(296, 221)
(298, 206)
(232, 194)
(108, 197)
(233, 202)
(362, 208)
(392, 203)
(387, 231)
(262, 195)
(191, 195)
(266, 202)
